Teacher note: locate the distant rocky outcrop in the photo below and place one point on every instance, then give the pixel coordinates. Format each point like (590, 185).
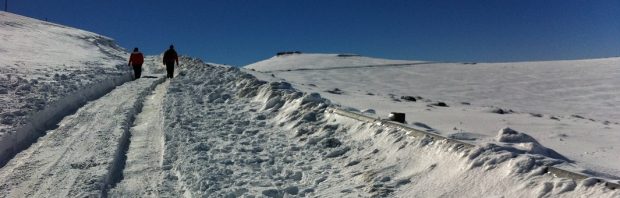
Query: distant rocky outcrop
(287, 53)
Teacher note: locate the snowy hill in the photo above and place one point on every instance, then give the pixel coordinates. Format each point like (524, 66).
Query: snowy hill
(320, 61)
(568, 106)
(48, 71)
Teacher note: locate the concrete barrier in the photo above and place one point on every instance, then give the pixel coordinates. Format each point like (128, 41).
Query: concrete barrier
(551, 170)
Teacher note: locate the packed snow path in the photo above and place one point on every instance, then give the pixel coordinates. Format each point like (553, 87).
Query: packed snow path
(142, 172)
(81, 156)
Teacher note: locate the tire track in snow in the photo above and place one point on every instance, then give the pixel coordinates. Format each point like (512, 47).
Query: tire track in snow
(77, 158)
(142, 174)
(47, 118)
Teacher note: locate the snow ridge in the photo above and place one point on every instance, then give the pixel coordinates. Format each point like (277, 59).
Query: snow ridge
(229, 134)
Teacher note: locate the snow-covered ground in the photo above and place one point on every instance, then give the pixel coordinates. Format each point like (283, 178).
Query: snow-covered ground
(217, 131)
(568, 106)
(47, 72)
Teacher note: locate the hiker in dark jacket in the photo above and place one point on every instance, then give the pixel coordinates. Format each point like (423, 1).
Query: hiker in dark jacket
(135, 60)
(170, 57)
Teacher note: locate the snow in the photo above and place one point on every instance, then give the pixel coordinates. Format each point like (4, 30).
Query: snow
(567, 106)
(321, 61)
(141, 175)
(48, 71)
(220, 131)
(80, 157)
(229, 134)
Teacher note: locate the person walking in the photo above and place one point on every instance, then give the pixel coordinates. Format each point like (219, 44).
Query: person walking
(170, 57)
(136, 60)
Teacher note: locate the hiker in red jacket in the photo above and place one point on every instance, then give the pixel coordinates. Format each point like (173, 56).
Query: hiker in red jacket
(136, 59)
(170, 57)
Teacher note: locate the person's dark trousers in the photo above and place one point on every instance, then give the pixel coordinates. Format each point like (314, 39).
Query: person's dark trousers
(170, 69)
(137, 71)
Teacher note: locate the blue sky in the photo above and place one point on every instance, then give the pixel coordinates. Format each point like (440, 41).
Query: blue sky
(240, 32)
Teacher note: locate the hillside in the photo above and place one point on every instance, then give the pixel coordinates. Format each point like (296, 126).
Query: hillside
(48, 71)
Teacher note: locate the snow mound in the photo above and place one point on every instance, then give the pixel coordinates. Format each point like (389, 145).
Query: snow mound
(320, 61)
(526, 143)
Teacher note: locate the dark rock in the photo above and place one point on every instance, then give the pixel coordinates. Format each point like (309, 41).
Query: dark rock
(408, 98)
(440, 104)
(287, 53)
(577, 116)
(353, 163)
(536, 115)
(335, 91)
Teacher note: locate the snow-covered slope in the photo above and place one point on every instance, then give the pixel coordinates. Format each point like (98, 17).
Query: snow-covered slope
(568, 106)
(320, 61)
(48, 71)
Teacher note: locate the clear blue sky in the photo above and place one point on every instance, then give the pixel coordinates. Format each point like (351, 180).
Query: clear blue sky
(240, 32)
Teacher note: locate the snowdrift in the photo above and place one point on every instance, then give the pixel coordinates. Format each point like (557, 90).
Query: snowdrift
(229, 134)
(560, 104)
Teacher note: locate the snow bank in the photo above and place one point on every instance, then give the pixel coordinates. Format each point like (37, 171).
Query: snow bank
(230, 134)
(559, 103)
(48, 71)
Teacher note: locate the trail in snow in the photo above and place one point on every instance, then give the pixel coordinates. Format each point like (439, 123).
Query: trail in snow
(142, 173)
(222, 145)
(81, 156)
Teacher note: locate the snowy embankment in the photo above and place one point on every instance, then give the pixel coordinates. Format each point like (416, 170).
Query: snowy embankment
(230, 134)
(566, 106)
(48, 72)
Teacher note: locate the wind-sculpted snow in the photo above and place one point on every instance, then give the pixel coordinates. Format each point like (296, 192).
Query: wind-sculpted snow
(567, 106)
(228, 134)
